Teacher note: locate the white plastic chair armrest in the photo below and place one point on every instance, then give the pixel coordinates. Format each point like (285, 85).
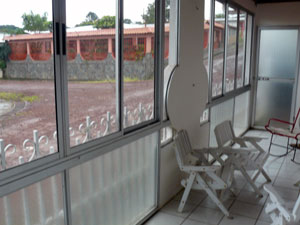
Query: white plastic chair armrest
(249, 139)
(200, 168)
(230, 150)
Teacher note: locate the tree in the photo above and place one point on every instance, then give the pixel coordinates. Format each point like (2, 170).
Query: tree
(105, 22)
(91, 16)
(127, 21)
(36, 22)
(90, 19)
(149, 17)
(11, 29)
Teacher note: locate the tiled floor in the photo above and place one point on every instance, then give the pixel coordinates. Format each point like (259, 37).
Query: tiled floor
(246, 208)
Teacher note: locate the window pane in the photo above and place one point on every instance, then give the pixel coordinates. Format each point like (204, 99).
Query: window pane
(171, 39)
(138, 61)
(39, 203)
(91, 69)
(27, 96)
(218, 49)
(241, 49)
(206, 38)
(117, 187)
(248, 50)
(231, 49)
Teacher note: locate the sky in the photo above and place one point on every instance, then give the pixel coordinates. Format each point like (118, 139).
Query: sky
(77, 11)
(12, 11)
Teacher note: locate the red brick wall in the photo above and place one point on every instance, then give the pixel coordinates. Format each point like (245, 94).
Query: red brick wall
(18, 50)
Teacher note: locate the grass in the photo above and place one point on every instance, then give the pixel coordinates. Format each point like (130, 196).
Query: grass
(10, 96)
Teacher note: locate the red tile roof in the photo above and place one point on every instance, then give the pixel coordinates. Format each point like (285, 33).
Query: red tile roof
(218, 25)
(100, 32)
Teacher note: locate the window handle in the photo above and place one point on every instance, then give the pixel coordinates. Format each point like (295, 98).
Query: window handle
(64, 38)
(57, 38)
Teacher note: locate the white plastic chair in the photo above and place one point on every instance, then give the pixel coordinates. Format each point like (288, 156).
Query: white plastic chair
(202, 176)
(254, 160)
(281, 212)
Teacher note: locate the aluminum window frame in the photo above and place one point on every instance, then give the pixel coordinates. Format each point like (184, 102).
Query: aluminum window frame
(231, 93)
(16, 178)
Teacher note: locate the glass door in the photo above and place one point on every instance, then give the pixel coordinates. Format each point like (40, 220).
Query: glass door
(277, 67)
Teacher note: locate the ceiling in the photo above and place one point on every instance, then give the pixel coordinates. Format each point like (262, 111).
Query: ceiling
(273, 1)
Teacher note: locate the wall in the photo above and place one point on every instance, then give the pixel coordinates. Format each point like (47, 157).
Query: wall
(170, 175)
(278, 14)
(79, 69)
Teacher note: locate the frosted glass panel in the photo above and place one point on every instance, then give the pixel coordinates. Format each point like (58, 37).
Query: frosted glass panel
(277, 56)
(241, 113)
(117, 187)
(220, 113)
(274, 99)
(38, 204)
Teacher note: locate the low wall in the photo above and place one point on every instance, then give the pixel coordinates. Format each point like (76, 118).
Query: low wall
(79, 69)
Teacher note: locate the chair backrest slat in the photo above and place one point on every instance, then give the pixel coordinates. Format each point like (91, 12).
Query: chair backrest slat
(224, 133)
(183, 147)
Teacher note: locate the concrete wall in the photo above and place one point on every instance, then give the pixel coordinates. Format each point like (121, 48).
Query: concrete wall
(79, 69)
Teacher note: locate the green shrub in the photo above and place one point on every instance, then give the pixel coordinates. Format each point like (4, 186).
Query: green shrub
(2, 64)
(5, 50)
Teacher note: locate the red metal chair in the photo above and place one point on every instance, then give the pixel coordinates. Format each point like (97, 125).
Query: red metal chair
(290, 132)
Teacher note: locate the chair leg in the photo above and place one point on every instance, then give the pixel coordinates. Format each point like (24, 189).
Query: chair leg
(248, 178)
(264, 173)
(186, 191)
(212, 194)
(287, 146)
(295, 149)
(270, 143)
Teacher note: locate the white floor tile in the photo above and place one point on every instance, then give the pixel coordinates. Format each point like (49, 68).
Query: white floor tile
(161, 218)
(237, 220)
(195, 197)
(206, 215)
(193, 222)
(246, 209)
(171, 208)
(208, 203)
(262, 223)
(251, 198)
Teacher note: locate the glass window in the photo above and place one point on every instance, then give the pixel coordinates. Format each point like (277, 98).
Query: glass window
(91, 69)
(206, 38)
(241, 49)
(248, 49)
(218, 49)
(27, 95)
(117, 187)
(231, 48)
(171, 40)
(138, 61)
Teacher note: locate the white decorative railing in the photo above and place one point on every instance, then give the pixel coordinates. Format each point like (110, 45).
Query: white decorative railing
(43, 145)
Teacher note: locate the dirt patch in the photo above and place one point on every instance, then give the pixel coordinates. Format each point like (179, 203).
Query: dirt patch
(84, 99)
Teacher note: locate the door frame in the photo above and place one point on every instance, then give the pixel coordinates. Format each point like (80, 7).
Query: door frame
(255, 76)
